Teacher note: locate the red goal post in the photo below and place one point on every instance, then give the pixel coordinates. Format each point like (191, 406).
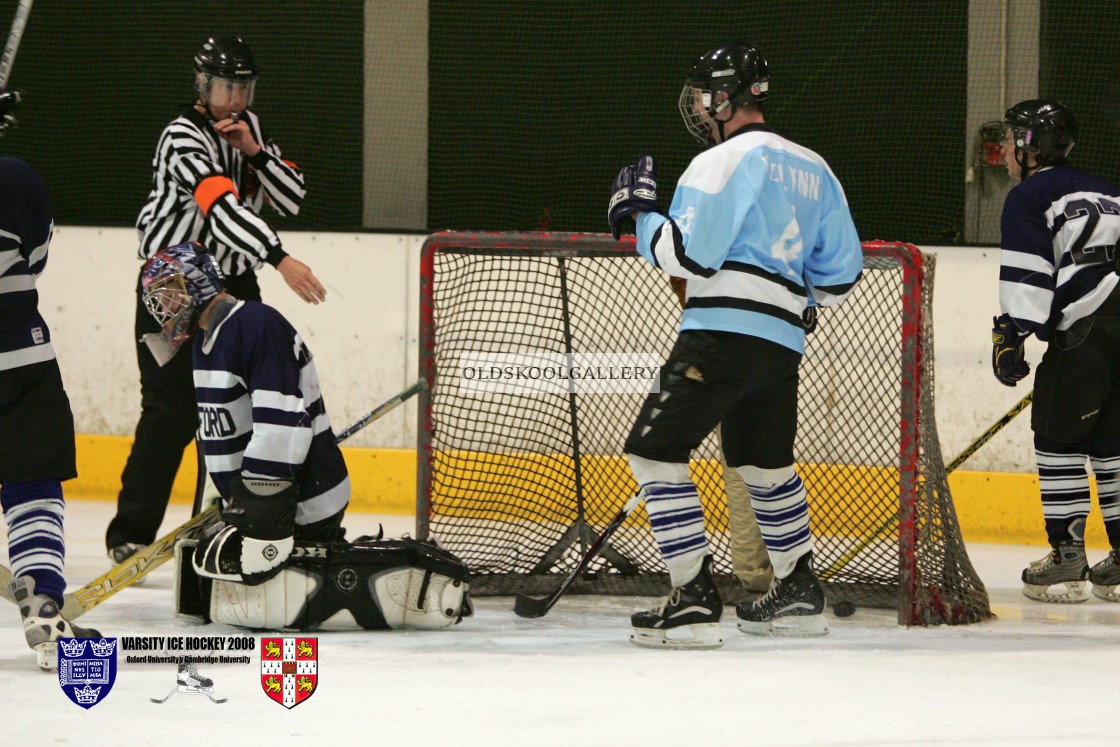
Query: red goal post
(518, 483)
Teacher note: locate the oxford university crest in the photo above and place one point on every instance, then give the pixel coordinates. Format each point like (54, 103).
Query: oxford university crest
(87, 668)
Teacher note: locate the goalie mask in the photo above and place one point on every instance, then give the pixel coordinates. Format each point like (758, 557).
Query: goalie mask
(1043, 128)
(722, 78)
(178, 282)
(225, 74)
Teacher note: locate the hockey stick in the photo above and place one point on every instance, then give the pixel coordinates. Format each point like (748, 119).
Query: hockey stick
(159, 552)
(969, 450)
(167, 698)
(527, 606)
(420, 385)
(14, 36)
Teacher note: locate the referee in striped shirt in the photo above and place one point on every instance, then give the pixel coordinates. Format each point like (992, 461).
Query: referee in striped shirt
(213, 172)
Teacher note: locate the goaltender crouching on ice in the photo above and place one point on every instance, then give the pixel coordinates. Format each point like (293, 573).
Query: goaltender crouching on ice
(760, 229)
(276, 558)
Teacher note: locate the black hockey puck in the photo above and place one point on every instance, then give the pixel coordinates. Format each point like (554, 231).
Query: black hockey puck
(843, 609)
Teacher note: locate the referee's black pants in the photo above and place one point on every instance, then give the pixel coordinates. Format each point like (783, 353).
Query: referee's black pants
(168, 421)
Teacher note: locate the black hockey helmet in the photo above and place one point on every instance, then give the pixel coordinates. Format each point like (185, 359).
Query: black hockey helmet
(226, 57)
(731, 75)
(225, 75)
(1042, 127)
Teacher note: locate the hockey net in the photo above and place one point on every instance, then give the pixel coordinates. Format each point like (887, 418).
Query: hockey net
(519, 484)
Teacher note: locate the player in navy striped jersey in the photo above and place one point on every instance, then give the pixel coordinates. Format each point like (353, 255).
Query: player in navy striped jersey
(760, 229)
(1058, 281)
(214, 171)
(36, 424)
(265, 431)
(277, 559)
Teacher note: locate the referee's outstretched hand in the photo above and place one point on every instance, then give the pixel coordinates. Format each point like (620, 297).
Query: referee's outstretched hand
(299, 278)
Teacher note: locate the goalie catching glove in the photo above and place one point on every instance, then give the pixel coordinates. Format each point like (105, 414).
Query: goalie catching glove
(255, 536)
(634, 191)
(1007, 351)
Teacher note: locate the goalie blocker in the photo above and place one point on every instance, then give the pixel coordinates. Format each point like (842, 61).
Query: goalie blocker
(369, 584)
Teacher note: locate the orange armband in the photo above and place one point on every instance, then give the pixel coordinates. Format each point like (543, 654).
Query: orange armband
(210, 189)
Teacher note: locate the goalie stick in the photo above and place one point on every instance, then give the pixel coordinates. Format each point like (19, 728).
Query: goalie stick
(143, 562)
(14, 36)
(969, 450)
(528, 606)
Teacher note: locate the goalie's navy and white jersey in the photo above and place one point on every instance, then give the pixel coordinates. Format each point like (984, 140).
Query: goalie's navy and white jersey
(25, 235)
(261, 412)
(1060, 229)
(760, 228)
(205, 190)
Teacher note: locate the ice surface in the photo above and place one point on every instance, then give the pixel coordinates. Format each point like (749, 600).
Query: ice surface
(1038, 675)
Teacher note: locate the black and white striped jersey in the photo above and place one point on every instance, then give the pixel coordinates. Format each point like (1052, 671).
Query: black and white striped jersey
(205, 190)
(1060, 229)
(261, 413)
(26, 227)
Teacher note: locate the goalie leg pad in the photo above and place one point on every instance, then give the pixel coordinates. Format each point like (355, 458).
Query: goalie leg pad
(366, 585)
(277, 604)
(190, 592)
(418, 598)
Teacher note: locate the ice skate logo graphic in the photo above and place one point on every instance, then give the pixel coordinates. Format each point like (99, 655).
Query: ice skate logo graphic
(87, 668)
(289, 669)
(188, 680)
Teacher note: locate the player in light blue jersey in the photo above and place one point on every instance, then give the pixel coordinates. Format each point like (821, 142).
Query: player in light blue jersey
(760, 229)
(1058, 280)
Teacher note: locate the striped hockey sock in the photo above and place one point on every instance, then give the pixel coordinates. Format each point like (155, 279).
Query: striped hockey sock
(676, 516)
(778, 499)
(33, 510)
(1107, 470)
(1066, 501)
(678, 526)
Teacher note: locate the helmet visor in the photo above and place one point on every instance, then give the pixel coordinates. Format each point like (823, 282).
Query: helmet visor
(230, 95)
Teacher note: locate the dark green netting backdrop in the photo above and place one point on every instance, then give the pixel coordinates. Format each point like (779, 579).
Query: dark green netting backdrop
(561, 95)
(534, 106)
(101, 79)
(1079, 66)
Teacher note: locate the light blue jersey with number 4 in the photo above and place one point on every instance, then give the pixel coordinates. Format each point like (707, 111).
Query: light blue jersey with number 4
(760, 228)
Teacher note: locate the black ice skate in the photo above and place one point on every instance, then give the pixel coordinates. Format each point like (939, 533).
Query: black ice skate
(1105, 576)
(43, 623)
(188, 680)
(794, 606)
(1066, 566)
(121, 553)
(688, 618)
